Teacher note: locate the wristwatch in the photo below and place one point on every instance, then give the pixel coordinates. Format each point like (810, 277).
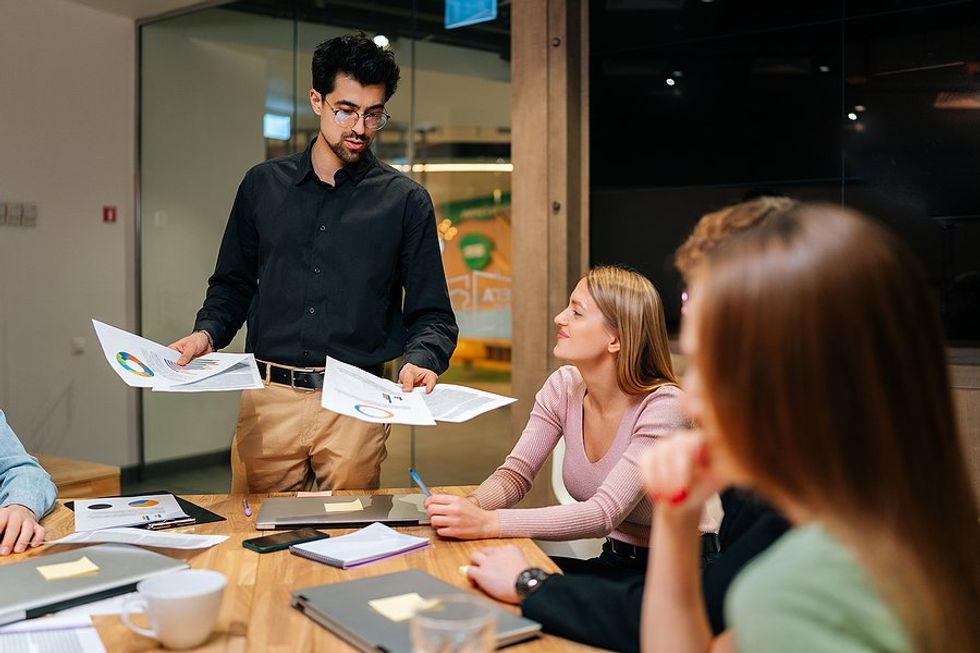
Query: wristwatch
(528, 581)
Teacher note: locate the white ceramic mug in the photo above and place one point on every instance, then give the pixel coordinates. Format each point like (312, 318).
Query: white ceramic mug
(181, 607)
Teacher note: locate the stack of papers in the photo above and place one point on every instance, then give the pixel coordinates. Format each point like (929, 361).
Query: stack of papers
(142, 363)
(374, 542)
(351, 391)
(96, 514)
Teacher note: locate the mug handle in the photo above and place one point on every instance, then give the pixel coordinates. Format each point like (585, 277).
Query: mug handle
(127, 609)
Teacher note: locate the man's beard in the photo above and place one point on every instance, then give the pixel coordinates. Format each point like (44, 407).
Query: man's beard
(341, 150)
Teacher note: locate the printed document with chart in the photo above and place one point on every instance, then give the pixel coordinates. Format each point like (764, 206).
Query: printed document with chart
(351, 391)
(143, 363)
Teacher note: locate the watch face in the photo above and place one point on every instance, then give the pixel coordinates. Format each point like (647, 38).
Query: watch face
(529, 580)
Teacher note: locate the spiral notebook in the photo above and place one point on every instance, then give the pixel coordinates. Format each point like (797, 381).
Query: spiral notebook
(374, 542)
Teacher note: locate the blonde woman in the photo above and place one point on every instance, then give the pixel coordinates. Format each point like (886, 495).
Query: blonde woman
(818, 377)
(618, 396)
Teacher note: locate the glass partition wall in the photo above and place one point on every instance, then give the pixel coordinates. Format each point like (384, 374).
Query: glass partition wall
(224, 88)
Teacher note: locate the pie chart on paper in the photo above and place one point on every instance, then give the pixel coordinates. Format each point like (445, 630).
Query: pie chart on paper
(144, 503)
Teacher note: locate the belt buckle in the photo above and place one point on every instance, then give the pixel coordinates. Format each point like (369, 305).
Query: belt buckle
(292, 377)
(622, 548)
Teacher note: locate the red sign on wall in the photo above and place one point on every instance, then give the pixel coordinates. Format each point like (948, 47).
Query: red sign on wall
(108, 214)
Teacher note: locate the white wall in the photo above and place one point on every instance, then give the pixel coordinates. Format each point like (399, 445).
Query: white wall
(202, 129)
(67, 139)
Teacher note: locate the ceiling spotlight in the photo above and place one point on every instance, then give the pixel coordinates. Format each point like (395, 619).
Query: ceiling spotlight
(670, 81)
(860, 108)
(852, 116)
(678, 73)
(823, 69)
(381, 41)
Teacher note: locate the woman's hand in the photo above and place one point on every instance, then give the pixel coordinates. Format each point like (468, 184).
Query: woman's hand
(678, 475)
(19, 529)
(455, 516)
(495, 571)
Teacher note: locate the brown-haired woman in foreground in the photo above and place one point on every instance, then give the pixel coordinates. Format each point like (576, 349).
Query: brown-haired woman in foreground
(818, 377)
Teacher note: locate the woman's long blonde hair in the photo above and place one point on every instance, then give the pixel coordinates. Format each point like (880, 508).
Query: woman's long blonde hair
(632, 308)
(822, 356)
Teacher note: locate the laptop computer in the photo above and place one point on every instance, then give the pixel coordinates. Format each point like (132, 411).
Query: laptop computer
(27, 594)
(343, 609)
(341, 511)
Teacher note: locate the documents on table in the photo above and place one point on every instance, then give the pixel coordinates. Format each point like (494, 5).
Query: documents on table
(351, 391)
(72, 634)
(140, 537)
(111, 512)
(143, 363)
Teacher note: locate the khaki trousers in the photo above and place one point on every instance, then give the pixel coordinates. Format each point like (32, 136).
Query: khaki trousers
(286, 442)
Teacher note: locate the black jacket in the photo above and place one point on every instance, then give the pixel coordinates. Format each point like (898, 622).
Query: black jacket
(606, 613)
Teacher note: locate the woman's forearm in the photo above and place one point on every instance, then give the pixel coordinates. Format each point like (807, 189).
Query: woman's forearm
(674, 618)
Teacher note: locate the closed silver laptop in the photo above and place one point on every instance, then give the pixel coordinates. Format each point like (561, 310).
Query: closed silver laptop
(343, 609)
(27, 594)
(353, 511)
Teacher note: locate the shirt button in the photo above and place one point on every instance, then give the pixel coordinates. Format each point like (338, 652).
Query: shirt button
(306, 353)
(312, 310)
(316, 270)
(323, 227)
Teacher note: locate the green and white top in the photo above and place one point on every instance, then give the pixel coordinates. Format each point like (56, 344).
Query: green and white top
(809, 594)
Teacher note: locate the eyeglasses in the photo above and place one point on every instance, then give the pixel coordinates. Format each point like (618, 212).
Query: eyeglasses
(347, 118)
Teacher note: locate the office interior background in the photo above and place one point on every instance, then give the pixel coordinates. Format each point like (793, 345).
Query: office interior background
(128, 126)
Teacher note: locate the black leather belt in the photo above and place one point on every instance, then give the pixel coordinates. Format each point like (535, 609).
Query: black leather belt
(300, 378)
(709, 546)
(631, 551)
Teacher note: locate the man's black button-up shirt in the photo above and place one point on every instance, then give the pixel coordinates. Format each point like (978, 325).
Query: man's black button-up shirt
(351, 270)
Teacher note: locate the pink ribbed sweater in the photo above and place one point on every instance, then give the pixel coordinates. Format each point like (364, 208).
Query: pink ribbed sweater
(609, 491)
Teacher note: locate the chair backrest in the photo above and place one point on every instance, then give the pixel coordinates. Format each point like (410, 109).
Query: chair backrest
(557, 482)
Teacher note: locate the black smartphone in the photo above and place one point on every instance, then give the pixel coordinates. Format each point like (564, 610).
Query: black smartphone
(281, 541)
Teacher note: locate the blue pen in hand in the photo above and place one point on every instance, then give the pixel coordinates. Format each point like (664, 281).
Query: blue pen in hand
(418, 481)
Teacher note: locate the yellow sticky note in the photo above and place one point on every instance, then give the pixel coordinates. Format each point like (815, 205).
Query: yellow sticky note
(81, 567)
(403, 606)
(347, 506)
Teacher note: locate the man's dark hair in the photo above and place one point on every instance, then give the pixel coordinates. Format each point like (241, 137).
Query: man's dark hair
(355, 55)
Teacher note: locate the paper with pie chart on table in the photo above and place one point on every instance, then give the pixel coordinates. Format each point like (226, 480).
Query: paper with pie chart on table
(351, 391)
(111, 512)
(143, 363)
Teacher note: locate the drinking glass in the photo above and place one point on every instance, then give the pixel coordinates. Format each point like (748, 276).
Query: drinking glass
(458, 623)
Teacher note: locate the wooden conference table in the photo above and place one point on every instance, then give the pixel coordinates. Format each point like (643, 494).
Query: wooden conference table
(255, 614)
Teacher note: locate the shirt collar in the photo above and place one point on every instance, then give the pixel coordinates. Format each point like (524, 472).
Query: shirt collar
(354, 171)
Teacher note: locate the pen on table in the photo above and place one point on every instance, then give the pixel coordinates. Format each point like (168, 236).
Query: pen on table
(247, 509)
(418, 481)
(171, 523)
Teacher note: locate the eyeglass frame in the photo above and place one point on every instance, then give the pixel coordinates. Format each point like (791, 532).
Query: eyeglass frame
(357, 116)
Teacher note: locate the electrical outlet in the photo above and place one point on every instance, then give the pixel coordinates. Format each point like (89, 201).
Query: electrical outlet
(29, 215)
(14, 210)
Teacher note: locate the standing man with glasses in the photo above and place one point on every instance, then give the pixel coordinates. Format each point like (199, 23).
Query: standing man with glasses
(327, 252)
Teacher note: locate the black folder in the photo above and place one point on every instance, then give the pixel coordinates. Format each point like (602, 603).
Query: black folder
(200, 515)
